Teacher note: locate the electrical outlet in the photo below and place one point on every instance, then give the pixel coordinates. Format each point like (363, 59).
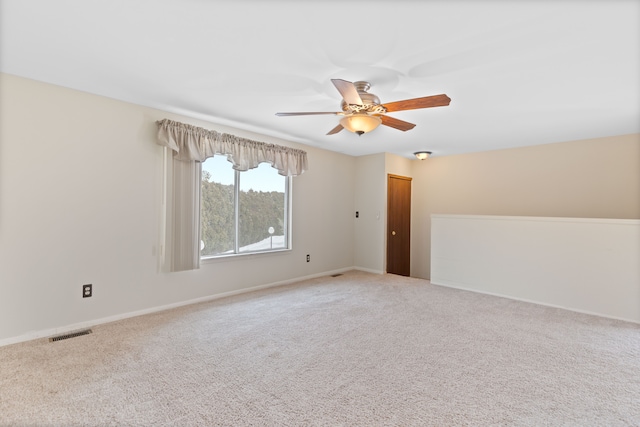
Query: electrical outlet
(308, 257)
(357, 214)
(87, 291)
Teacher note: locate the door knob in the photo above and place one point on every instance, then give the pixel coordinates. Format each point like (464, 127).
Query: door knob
(393, 233)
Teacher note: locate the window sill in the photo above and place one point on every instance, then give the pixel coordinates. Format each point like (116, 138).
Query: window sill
(229, 257)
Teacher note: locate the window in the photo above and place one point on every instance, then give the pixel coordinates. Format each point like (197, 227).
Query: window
(242, 212)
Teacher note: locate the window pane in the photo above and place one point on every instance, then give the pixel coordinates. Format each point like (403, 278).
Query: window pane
(217, 211)
(262, 204)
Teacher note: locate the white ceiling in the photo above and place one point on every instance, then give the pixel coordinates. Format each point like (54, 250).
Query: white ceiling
(518, 72)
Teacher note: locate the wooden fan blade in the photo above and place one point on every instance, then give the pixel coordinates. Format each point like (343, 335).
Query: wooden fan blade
(348, 91)
(397, 124)
(413, 104)
(335, 130)
(310, 113)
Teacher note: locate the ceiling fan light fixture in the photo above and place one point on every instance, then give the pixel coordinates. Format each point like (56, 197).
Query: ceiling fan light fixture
(422, 155)
(360, 123)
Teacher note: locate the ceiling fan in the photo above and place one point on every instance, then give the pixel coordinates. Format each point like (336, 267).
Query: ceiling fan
(363, 111)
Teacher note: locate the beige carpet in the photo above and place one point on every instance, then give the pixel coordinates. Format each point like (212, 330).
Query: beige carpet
(355, 350)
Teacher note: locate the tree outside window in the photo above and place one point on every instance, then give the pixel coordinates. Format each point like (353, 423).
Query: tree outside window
(242, 212)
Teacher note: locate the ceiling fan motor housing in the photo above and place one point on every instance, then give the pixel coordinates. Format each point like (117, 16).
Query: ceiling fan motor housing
(369, 100)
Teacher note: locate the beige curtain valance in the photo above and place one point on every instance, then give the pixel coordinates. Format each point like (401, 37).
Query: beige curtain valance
(191, 143)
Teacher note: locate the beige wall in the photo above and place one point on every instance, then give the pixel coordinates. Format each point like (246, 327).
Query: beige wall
(595, 178)
(371, 203)
(81, 202)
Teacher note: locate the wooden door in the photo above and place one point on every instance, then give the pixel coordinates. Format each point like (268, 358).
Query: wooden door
(399, 225)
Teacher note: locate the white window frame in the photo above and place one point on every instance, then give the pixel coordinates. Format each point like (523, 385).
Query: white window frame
(287, 221)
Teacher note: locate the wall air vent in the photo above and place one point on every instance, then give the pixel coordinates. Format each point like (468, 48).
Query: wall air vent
(71, 335)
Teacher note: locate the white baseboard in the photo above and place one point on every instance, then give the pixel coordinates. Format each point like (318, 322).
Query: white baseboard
(454, 285)
(91, 323)
(368, 270)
